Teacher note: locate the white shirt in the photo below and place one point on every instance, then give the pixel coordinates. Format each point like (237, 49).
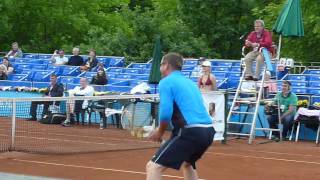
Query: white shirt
(60, 60)
(88, 91)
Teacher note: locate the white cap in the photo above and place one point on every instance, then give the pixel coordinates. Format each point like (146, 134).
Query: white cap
(206, 63)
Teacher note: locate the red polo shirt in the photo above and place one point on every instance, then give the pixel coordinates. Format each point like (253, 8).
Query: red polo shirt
(265, 40)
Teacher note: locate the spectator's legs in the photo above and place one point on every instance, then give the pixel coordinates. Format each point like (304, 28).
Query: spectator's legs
(248, 59)
(83, 113)
(33, 109)
(259, 64)
(77, 117)
(46, 105)
(273, 123)
(287, 124)
(103, 119)
(118, 120)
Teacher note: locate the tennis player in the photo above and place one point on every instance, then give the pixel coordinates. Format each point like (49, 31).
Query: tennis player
(181, 104)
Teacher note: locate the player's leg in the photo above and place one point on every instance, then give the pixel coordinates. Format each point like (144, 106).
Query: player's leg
(189, 172)
(154, 171)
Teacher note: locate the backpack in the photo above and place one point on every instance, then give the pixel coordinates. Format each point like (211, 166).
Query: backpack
(53, 118)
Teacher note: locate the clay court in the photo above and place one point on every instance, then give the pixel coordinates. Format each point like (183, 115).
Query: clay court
(85, 152)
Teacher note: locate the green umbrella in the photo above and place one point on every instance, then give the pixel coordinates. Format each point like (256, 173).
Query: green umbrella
(289, 22)
(155, 75)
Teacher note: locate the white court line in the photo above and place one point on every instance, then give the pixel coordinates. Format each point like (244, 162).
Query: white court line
(94, 168)
(265, 158)
(282, 153)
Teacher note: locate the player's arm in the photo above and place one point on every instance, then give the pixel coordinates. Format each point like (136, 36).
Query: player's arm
(165, 112)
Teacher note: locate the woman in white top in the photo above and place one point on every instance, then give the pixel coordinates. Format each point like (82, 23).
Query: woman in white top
(58, 58)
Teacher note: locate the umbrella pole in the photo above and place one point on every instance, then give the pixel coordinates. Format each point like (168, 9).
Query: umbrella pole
(279, 47)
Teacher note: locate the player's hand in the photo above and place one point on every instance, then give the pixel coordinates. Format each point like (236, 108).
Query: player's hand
(254, 45)
(248, 43)
(155, 136)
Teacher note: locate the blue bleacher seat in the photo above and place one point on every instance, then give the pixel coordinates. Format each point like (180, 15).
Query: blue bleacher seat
(111, 75)
(296, 77)
(76, 80)
(299, 90)
(39, 67)
(235, 69)
(70, 71)
(118, 88)
(65, 79)
(45, 56)
(115, 70)
(33, 56)
(300, 84)
(221, 68)
(41, 84)
(88, 74)
(21, 67)
(17, 77)
(314, 91)
(16, 83)
(187, 68)
(315, 98)
(312, 71)
(314, 84)
(41, 76)
(123, 76)
(140, 65)
(132, 71)
(314, 78)
(219, 75)
(190, 62)
(222, 63)
(55, 69)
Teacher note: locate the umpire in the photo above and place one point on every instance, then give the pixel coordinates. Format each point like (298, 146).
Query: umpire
(181, 104)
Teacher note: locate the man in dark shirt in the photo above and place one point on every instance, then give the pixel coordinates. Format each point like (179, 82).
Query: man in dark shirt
(54, 90)
(75, 60)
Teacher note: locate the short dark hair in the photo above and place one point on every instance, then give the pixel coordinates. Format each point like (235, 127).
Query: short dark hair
(53, 75)
(175, 60)
(5, 58)
(286, 82)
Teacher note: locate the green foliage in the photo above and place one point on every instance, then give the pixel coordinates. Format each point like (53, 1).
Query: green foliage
(128, 28)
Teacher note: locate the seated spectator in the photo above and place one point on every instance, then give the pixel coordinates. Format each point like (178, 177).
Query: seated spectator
(8, 65)
(257, 39)
(15, 51)
(100, 78)
(58, 58)
(76, 59)
(54, 90)
(288, 104)
(101, 67)
(3, 73)
(207, 81)
(80, 105)
(91, 62)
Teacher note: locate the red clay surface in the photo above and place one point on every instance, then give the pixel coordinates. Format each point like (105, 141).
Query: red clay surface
(234, 161)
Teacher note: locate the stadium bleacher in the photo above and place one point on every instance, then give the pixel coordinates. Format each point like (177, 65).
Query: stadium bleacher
(37, 68)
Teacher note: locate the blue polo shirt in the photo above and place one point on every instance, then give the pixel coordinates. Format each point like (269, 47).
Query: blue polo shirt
(181, 101)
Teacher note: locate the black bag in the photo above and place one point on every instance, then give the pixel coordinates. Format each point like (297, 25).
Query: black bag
(53, 118)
